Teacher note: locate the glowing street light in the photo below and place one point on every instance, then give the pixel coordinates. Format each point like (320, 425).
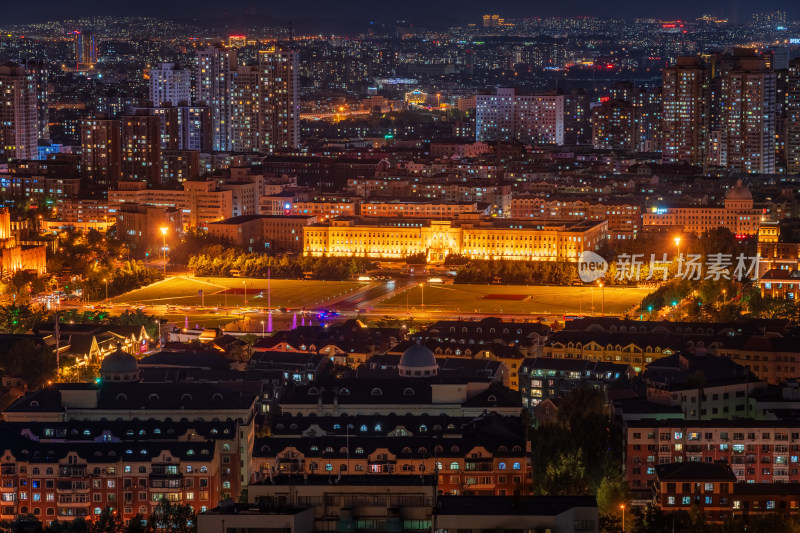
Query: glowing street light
(622, 507)
(164, 230)
(603, 305)
(678, 245)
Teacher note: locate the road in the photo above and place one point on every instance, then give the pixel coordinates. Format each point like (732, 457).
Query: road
(365, 298)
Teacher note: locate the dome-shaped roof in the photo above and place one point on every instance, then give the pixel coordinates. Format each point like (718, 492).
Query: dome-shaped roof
(119, 362)
(418, 356)
(739, 192)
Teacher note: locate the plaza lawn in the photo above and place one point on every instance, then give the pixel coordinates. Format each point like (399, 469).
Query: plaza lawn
(230, 292)
(526, 300)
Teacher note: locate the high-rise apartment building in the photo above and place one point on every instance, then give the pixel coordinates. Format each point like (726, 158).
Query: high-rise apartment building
(141, 148)
(747, 132)
(18, 125)
(614, 126)
(646, 113)
(183, 127)
(685, 111)
(85, 50)
(100, 150)
(793, 117)
(245, 98)
(170, 84)
(38, 69)
(508, 115)
(213, 88)
(279, 104)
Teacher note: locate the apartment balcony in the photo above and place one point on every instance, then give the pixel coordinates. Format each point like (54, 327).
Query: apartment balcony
(481, 486)
(69, 487)
(73, 511)
(73, 503)
(73, 471)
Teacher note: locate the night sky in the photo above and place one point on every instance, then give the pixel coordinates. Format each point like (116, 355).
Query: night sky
(389, 10)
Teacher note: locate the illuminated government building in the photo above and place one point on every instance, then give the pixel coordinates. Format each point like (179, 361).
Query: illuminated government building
(738, 214)
(469, 235)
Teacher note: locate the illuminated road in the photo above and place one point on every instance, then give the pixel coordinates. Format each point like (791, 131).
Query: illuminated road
(366, 298)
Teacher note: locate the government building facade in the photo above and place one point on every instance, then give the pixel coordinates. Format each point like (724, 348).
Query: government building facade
(474, 237)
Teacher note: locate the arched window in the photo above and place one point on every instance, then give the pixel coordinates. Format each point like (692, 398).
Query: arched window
(501, 466)
(364, 427)
(359, 450)
(408, 392)
(406, 450)
(329, 467)
(226, 447)
(516, 466)
(376, 392)
(454, 466)
(378, 427)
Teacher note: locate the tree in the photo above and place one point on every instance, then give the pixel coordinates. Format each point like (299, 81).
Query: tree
(566, 476)
(107, 522)
(138, 318)
(137, 524)
(168, 517)
(19, 318)
(32, 362)
(78, 525)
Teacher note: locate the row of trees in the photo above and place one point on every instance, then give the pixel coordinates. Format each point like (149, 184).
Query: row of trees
(166, 518)
(120, 279)
(255, 265)
(517, 272)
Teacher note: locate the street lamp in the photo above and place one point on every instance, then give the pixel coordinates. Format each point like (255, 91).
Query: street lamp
(164, 230)
(724, 294)
(622, 507)
(603, 305)
(262, 328)
(105, 280)
(245, 293)
(678, 245)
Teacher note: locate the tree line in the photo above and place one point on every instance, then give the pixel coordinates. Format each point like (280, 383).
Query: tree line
(257, 265)
(166, 517)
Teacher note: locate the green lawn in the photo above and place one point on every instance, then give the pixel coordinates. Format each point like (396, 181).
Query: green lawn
(542, 300)
(183, 291)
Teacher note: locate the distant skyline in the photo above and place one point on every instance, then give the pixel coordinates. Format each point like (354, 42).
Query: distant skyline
(462, 11)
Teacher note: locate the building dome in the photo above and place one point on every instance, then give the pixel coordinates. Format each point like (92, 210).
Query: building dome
(119, 366)
(739, 192)
(418, 361)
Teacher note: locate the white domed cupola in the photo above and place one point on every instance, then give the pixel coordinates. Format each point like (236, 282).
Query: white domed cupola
(119, 366)
(418, 361)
